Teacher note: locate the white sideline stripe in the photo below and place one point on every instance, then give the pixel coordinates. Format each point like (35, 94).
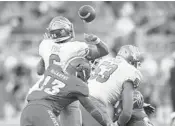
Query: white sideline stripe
(87, 15)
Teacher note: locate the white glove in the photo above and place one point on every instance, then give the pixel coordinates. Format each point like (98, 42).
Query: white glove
(46, 36)
(114, 124)
(91, 39)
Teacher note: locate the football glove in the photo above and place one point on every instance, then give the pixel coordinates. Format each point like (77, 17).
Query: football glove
(113, 124)
(91, 39)
(46, 36)
(149, 109)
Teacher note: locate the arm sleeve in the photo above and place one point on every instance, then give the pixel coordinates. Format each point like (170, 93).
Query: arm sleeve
(97, 51)
(127, 103)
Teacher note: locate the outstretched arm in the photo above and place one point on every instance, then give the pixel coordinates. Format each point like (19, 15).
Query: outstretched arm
(97, 48)
(127, 103)
(96, 110)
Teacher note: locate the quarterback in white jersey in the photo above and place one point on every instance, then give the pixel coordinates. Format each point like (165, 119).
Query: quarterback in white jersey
(115, 79)
(58, 48)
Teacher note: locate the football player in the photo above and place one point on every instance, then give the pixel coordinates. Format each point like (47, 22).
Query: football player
(140, 111)
(65, 65)
(115, 79)
(58, 41)
(60, 34)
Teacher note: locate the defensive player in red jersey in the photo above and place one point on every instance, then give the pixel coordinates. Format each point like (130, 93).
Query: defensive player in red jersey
(66, 69)
(139, 115)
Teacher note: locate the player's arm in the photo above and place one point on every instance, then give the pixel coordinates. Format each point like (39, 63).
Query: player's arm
(127, 103)
(97, 48)
(40, 67)
(100, 114)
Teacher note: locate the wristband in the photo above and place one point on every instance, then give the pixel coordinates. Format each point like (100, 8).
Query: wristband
(97, 41)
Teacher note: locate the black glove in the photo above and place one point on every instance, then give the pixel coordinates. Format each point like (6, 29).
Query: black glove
(149, 109)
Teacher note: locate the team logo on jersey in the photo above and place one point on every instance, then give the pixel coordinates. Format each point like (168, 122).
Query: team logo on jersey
(55, 49)
(83, 52)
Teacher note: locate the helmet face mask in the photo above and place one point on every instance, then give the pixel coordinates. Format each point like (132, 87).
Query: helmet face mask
(59, 33)
(136, 64)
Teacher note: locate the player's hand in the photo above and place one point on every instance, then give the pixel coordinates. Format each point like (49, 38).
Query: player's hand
(149, 109)
(46, 36)
(91, 39)
(114, 124)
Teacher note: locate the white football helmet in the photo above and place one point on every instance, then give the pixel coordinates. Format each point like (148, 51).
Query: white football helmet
(60, 29)
(131, 54)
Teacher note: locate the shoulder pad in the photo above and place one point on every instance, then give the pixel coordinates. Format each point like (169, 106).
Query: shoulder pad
(135, 76)
(138, 78)
(82, 48)
(43, 45)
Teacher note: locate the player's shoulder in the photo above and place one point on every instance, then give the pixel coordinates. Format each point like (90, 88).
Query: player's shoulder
(78, 44)
(134, 75)
(131, 73)
(44, 44)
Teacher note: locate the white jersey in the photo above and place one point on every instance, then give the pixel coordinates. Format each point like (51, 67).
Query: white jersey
(64, 51)
(106, 82)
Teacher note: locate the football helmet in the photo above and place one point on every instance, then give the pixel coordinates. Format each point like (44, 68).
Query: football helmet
(138, 100)
(131, 54)
(60, 29)
(79, 67)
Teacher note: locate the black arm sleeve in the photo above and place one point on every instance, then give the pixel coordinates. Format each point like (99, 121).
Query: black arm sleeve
(97, 51)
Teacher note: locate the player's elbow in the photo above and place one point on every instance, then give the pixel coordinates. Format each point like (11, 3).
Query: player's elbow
(40, 70)
(104, 52)
(102, 49)
(40, 67)
(127, 114)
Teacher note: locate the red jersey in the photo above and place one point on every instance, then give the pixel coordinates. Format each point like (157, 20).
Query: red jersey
(57, 88)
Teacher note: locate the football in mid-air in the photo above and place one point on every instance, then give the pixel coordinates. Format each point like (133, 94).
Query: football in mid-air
(87, 13)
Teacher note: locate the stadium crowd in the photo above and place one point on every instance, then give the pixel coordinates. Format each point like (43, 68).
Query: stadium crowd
(149, 25)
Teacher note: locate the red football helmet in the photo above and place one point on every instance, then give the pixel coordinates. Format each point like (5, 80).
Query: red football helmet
(131, 54)
(60, 29)
(79, 67)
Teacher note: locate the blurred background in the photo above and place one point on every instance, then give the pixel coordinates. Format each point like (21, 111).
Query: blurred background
(149, 25)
